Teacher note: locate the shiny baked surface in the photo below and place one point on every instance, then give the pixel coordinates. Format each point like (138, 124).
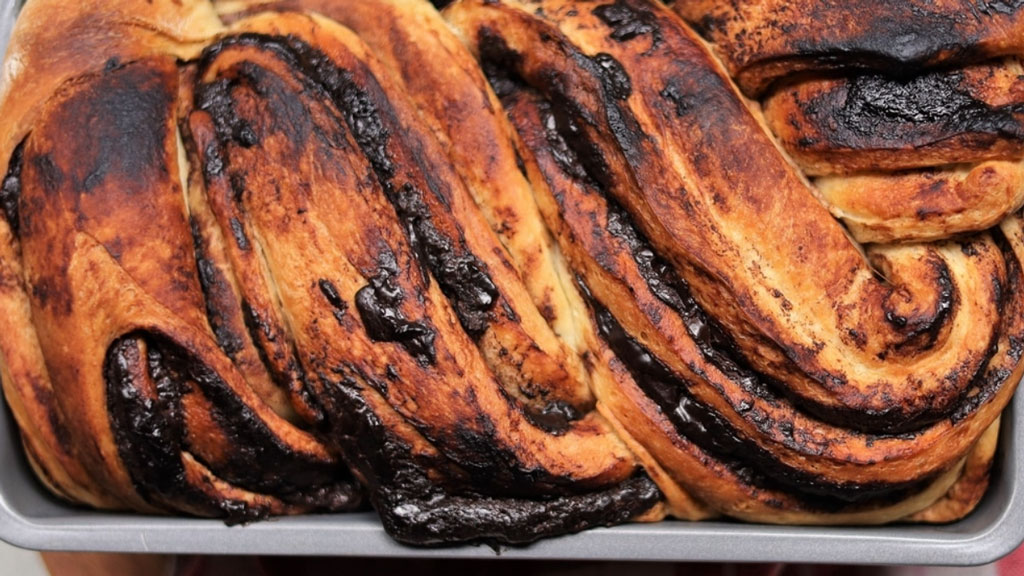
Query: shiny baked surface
(507, 271)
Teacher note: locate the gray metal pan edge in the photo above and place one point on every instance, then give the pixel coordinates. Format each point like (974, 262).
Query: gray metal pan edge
(31, 518)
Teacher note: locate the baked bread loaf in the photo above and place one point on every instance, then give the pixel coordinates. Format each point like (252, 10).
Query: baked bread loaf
(513, 269)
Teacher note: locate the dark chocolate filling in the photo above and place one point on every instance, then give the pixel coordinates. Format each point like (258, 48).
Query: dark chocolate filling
(378, 304)
(150, 431)
(330, 292)
(213, 284)
(628, 22)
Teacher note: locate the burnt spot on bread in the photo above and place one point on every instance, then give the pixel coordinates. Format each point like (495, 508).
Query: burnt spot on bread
(10, 189)
(238, 233)
(628, 22)
(498, 62)
(133, 100)
(379, 305)
(330, 292)
(873, 111)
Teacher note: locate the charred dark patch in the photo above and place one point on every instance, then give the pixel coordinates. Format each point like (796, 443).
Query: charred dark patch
(896, 39)
(216, 98)
(379, 304)
(875, 111)
(330, 292)
(520, 164)
(238, 232)
(260, 332)
(134, 101)
(213, 163)
(499, 62)
(613, 76)
(10, 190)
(628, 22)
(683, 99)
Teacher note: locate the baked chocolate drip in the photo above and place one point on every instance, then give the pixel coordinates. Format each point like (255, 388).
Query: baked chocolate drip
(146, 378)
(10, 190)
(378, 305)
(463, 278)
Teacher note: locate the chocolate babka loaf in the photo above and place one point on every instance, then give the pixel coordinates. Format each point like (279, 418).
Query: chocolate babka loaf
(516, 268)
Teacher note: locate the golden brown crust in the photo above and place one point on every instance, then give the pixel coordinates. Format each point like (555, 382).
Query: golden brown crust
(924, 205)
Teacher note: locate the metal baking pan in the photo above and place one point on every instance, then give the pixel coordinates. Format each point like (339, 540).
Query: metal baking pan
(31, 518)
